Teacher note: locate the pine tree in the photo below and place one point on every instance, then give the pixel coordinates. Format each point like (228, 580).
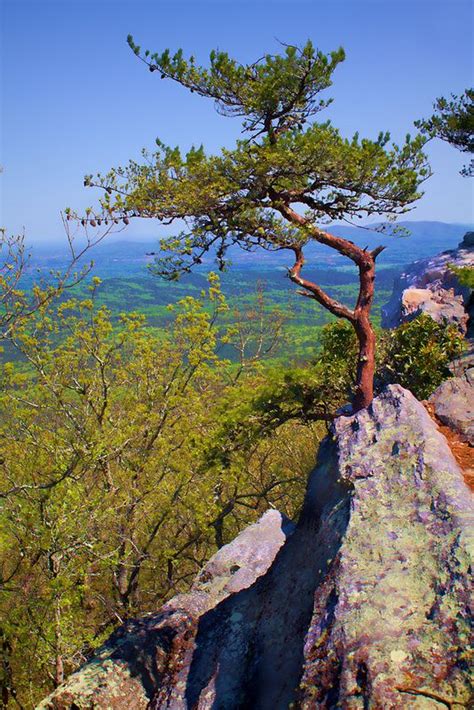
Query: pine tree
(276, 189)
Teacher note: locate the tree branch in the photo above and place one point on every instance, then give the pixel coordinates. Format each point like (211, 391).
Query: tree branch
(315, 291)
(343, 246)
(378, 250)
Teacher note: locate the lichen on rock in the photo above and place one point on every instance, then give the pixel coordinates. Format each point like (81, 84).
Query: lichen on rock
(400, 627)
(453, 403)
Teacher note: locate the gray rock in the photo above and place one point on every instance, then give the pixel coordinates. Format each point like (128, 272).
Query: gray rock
(464, 362)
(430, 286)
(400, 622)
(363, 605)
(126, 672)
(454, 404)
(441, 305)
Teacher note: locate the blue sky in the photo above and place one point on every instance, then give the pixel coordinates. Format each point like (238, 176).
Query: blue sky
(75, 99)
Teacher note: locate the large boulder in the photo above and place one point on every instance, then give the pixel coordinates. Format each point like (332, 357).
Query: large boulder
(363, 605)
(430, 286)
(453, 403)
(129, 669)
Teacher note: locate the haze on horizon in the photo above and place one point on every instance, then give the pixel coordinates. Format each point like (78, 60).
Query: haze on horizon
(76, 100)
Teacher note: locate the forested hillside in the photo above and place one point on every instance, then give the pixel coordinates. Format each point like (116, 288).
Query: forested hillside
(127, 283)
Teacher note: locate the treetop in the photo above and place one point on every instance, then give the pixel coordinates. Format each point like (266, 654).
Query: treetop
(271, 94)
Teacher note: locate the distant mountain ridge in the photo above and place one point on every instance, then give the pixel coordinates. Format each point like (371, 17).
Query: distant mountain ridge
(129, 257)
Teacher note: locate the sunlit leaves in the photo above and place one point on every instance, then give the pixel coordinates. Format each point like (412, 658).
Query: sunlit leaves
(262, 92)
(419, 352)
(109, 498)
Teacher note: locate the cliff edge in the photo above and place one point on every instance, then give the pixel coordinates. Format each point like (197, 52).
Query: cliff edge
(362, 604)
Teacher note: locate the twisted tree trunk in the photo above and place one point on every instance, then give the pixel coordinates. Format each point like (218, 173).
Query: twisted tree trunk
(359, 317)
(364, 387)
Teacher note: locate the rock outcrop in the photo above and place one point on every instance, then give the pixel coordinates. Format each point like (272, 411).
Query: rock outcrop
(362, 604)
(430, 286)
(453, 403)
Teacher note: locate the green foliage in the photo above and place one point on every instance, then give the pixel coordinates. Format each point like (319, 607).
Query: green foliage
(275, 189)
(453, 122)
(128, 456)
(338, 354)
(415, 355)
(465, 275)
(418, 354)
(272, 86)
(110, 502)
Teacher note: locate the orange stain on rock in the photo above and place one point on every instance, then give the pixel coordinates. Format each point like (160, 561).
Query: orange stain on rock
(462, 451)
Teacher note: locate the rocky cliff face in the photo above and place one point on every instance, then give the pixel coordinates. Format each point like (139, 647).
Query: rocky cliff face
(429, 286)
(362, 604)
(453, 403)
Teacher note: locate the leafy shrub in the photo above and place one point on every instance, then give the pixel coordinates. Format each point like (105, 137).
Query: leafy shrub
(417, 354)
(127, 457)
(465, 275)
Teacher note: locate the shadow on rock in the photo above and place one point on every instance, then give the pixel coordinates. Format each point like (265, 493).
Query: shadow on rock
(249, 648)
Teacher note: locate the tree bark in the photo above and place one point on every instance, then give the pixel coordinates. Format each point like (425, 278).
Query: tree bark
(364, 386)
(360, 316)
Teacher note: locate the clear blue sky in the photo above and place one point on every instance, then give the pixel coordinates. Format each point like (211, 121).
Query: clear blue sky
(75, 99)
